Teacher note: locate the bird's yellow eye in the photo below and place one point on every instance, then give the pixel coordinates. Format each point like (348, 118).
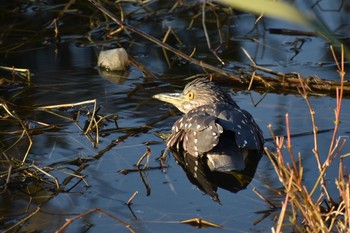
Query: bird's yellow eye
(190, 95)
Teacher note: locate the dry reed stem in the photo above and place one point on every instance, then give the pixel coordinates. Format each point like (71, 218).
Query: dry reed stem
(31, 170)
(304, 93)
(339, 98)
(128, 203)
(254, 63)
(93, 123)
(71, 175)
(284, 205)
(122, 18)
(71, 220)
(170, 30)
(200, 223)
(68, 105)
(21, 71)
(204, 25)
(316, 216)
(147, 154)
(289, 145)
(47, 174)
(206, 32)
(13, 114)
(321, 179)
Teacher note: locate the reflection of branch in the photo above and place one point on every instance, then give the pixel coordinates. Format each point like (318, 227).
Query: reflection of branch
(272, 206)
(266, 213)
(127, 171)
(22, 220)
(146, 183)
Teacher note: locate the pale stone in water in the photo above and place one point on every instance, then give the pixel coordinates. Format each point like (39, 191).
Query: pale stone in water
(113, 59)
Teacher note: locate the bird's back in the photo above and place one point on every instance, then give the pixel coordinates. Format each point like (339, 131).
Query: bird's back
(224, 136)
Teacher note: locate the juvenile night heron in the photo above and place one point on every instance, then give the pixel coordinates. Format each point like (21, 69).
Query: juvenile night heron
(214, 129)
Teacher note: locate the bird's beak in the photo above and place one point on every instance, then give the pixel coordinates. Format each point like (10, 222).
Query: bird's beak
(176, 99)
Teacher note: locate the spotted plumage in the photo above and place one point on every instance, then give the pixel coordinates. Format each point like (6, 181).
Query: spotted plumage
(214, 128)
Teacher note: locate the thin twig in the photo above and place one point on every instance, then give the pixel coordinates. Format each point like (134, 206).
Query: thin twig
(289, 144)
(69, 221)
(284, 205)
(132, 198)
(339, 98)
(145, 155)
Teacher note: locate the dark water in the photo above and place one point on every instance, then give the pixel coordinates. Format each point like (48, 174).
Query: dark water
(67, 73)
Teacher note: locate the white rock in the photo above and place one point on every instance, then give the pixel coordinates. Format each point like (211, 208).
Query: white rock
(113, 59)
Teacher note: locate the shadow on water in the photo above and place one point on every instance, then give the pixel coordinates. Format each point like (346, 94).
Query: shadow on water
(63, 69)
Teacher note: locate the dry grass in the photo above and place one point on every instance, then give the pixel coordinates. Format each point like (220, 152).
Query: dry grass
(311, 213)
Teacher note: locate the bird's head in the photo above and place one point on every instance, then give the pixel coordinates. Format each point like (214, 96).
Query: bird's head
(195, 94)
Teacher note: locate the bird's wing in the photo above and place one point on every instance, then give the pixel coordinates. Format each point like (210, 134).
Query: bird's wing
(247, 133)
(197, 131)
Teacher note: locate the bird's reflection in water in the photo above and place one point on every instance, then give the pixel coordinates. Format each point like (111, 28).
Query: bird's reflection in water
(217, 143)
(115, 77)
(199, 174)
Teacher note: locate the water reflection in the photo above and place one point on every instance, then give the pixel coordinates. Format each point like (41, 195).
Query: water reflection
(65, 74)
(115, 77)
(207, 180)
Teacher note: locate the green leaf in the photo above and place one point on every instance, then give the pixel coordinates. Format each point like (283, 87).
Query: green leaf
(284, 11)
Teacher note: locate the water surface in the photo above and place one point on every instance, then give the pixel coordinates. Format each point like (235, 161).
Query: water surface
(66, 72)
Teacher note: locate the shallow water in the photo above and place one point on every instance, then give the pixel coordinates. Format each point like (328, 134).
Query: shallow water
(68, 74)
